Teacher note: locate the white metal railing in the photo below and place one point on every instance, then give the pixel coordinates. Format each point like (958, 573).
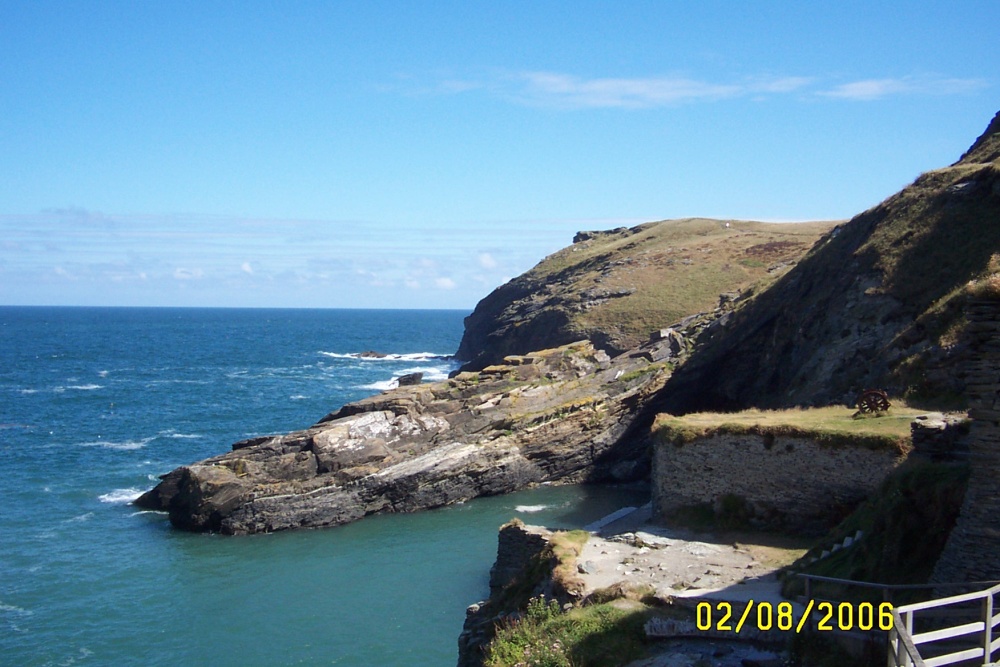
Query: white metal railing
(981, 635)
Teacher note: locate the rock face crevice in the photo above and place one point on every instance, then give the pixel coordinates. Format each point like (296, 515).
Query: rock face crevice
(555, 415)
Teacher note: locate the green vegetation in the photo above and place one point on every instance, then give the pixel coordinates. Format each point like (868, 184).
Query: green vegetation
(603, 635)
(645, 370)
(834, 426)
(905, 526)
(670, 270)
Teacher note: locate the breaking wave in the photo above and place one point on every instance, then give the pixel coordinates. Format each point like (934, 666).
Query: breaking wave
(120, 496)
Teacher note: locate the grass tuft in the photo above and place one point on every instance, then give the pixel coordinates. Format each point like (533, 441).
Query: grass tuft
(602, 635)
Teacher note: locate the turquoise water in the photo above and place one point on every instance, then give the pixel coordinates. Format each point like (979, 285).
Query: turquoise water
(97, 402)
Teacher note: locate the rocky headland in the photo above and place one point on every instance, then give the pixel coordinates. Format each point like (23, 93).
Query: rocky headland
(615, 287)
(554, 415)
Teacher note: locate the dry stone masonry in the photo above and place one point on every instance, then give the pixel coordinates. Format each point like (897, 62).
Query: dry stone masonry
(779, 482)
(972, 552)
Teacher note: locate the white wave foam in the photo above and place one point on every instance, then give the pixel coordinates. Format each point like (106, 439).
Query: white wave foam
(102, 374)
(85, 387)
(29, 391)
(183, 436)
(298, 397)
(146, 512)
(530, 509)
(122, 446)
(120, 496)
(381, 386)
(81, 518)
(411, 356)
(11, 609)
(431, 373)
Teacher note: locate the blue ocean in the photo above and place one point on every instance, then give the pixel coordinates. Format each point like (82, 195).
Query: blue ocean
(96, 403)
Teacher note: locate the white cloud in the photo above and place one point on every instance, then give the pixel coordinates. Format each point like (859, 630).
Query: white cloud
(565, 90)
(411, 283)
(873, 89)
(246, 268)
(445, 283)
(487, 261)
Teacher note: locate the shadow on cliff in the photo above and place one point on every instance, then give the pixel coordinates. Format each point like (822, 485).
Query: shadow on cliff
(833, 325)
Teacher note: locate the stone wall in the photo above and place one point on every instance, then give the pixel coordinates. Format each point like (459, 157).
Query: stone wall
(777, 482)
(972, 552)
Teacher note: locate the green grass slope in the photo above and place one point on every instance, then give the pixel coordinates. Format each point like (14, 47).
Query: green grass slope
(614, 288)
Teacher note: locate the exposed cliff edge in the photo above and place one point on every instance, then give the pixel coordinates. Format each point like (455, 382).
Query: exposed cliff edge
(616, 287)
(878, 302)
(554, 415)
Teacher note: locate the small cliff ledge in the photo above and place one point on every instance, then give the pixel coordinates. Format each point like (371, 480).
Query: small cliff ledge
(554, 415)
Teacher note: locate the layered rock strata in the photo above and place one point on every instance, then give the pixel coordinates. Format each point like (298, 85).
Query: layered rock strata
(553, 415)
(972, 552)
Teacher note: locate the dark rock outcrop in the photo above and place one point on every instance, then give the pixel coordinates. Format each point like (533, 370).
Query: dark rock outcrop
(410, 379)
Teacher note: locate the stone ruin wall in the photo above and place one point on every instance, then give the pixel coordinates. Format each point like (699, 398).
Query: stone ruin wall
(972, 552)
(788, 482)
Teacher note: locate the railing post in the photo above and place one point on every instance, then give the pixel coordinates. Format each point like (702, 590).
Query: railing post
(988, 630)
(909, 632)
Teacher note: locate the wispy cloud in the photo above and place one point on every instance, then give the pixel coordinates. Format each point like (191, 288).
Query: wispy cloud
(445, 283)
(567, 91)
(873, 89)
(563, 90)
(487, 261)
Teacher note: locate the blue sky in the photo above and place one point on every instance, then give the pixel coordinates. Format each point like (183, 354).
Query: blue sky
(418, 154)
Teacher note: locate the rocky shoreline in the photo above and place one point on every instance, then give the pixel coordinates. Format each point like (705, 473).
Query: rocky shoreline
(678, 568)
(557, 415)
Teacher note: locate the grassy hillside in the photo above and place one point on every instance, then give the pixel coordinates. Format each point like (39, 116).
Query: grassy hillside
(614, 288)
(878, 303)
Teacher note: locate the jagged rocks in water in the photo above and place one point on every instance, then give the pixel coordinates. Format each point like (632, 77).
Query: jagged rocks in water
(410, 379)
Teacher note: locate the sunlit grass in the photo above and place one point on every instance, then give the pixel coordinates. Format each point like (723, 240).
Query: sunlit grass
(834, 425)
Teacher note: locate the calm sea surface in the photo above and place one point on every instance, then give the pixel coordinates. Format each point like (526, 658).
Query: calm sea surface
(95, 403)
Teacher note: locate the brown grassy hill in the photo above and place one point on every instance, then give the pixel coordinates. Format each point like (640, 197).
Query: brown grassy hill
(878, 302)
(614, 288)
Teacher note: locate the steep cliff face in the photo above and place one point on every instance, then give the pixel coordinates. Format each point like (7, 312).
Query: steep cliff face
(877, 302)
(614, 288)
